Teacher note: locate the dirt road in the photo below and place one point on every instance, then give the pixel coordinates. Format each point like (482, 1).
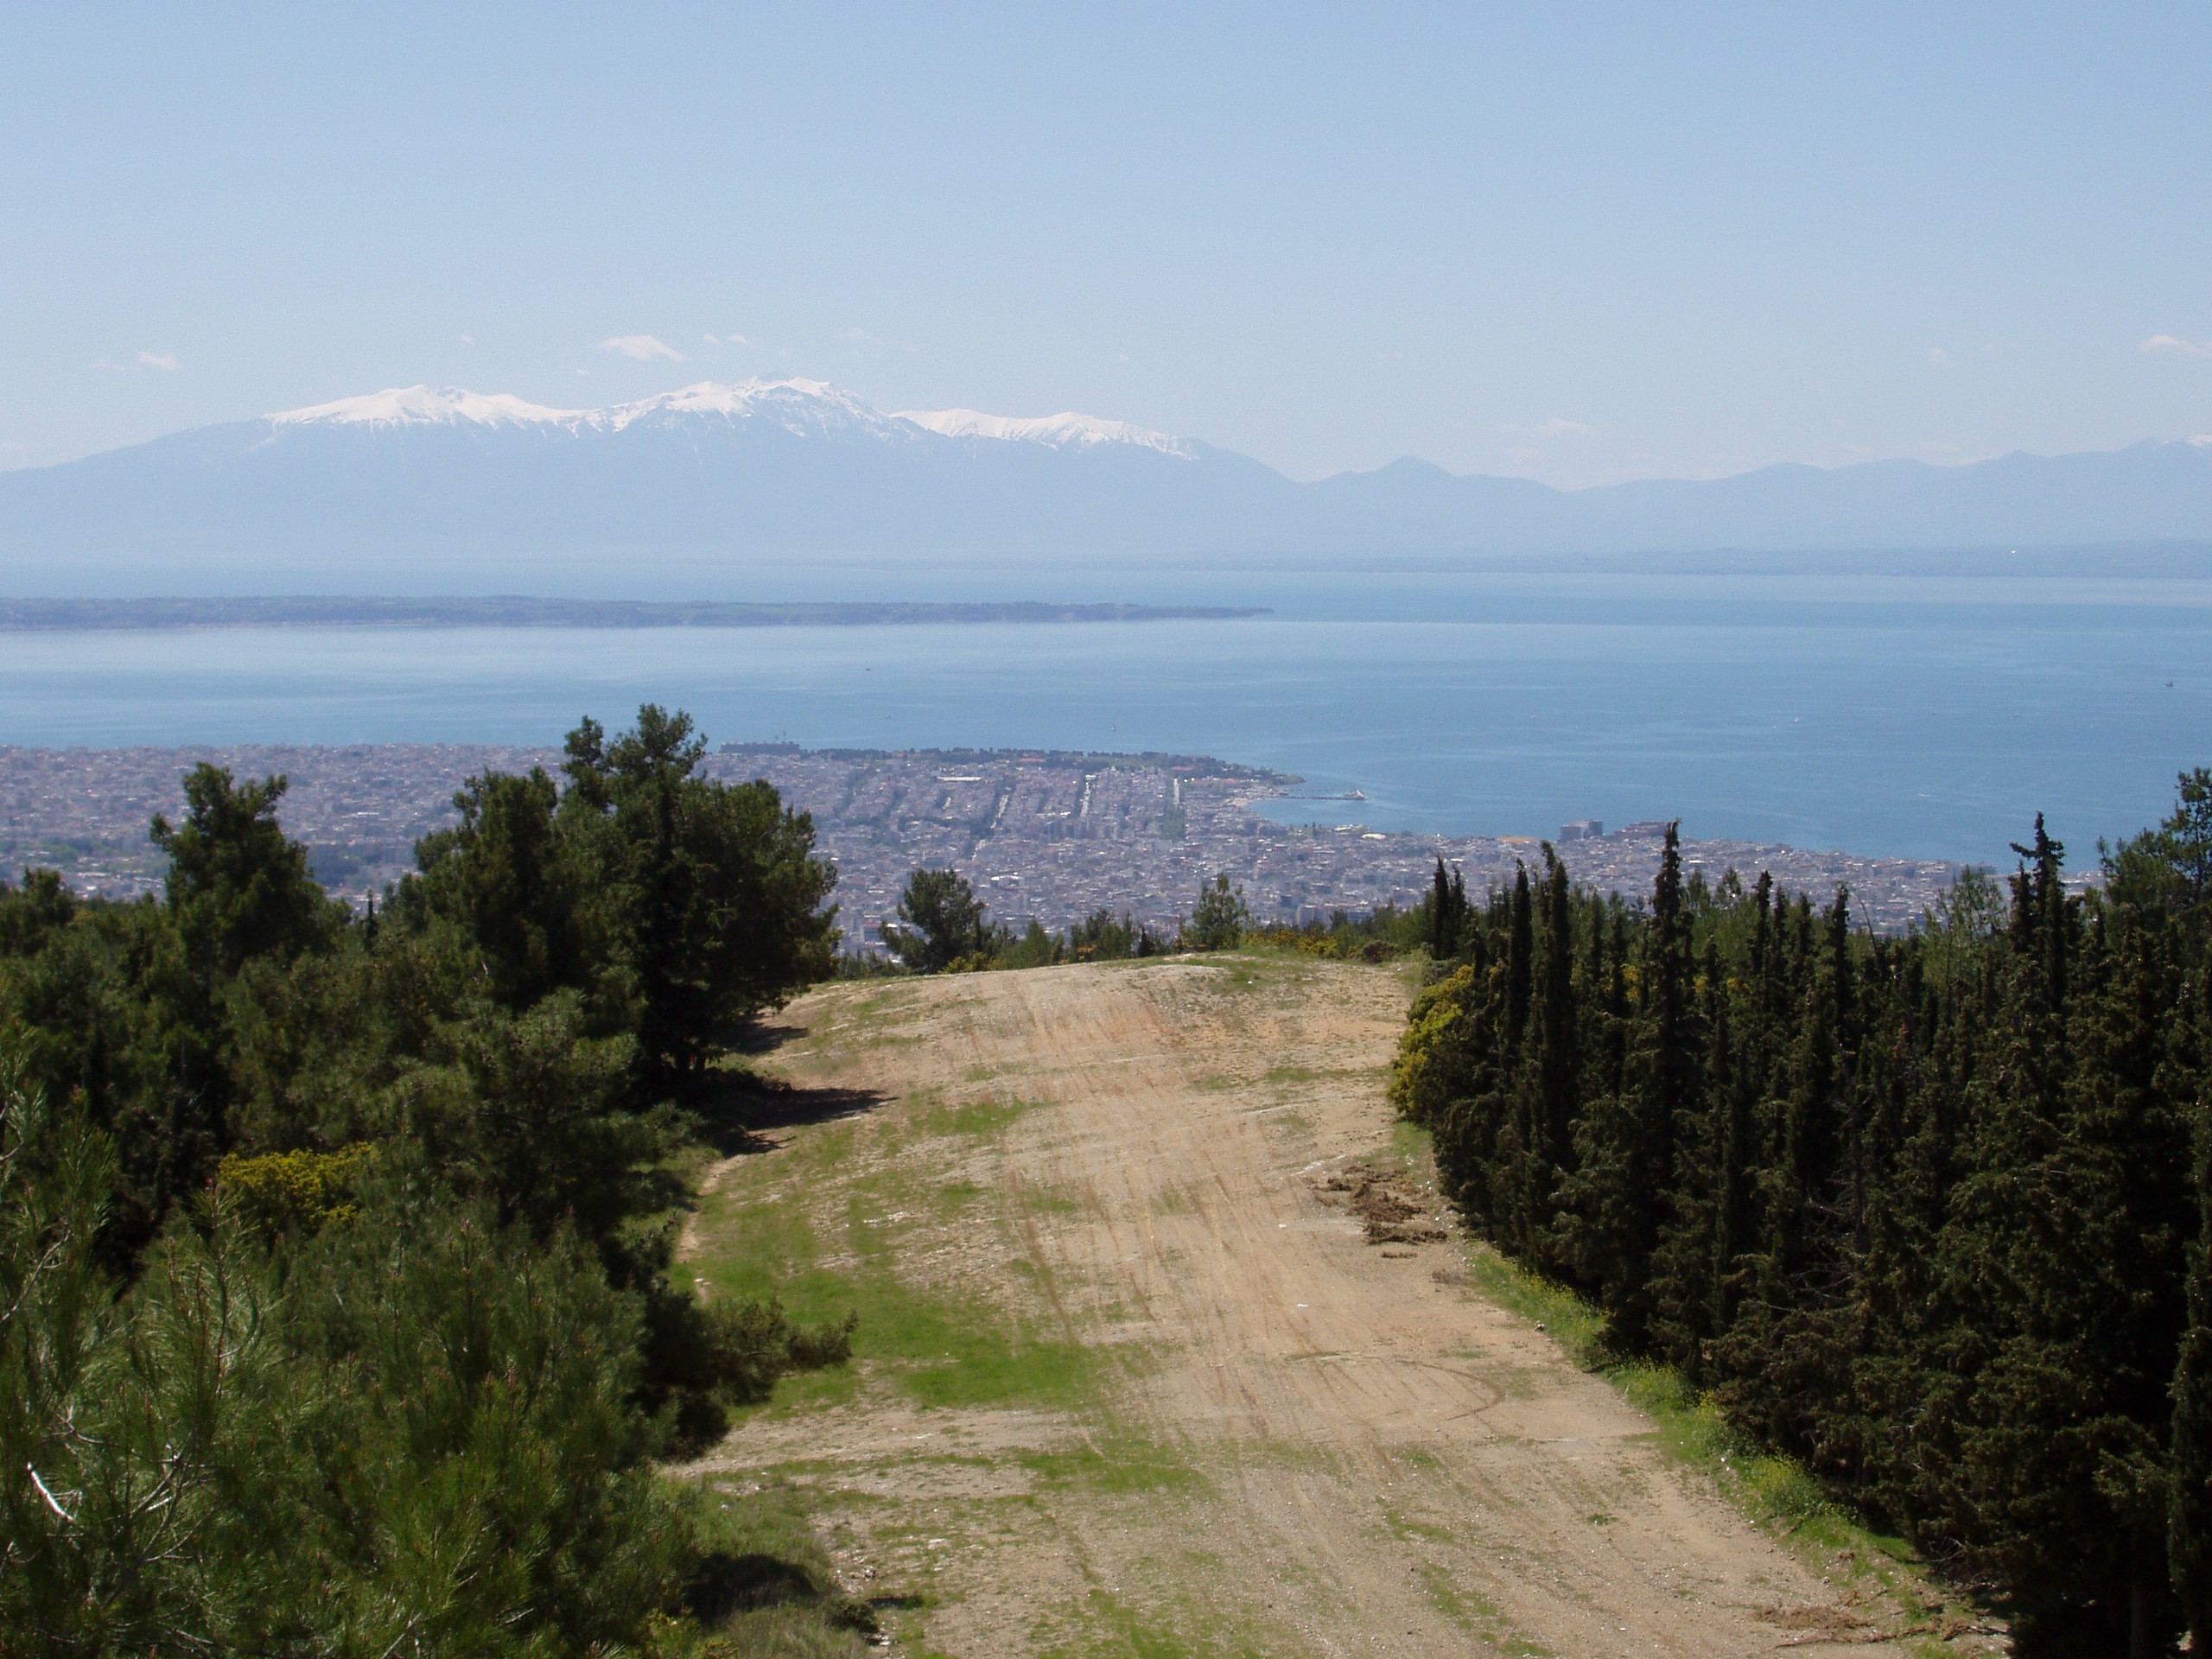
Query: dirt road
(1224, 1421)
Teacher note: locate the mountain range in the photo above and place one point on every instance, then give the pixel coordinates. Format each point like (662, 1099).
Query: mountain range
(474, 488)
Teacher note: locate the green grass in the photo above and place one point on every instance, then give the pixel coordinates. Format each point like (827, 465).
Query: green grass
(1473, 1612)
(1411, 1531)
(760, 1236)
(765, 1587)
(1117, 1466)
(1050, 1201)
(940, 1350)
(984, 1119)
(1118, 1628)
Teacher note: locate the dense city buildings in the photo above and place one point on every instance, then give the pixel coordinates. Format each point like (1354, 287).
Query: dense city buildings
(1045, 834)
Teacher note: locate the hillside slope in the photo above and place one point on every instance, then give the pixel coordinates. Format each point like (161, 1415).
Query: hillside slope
(1133, 1377)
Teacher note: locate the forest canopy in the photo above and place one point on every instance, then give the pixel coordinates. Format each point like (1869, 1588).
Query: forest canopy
(1931, 1213)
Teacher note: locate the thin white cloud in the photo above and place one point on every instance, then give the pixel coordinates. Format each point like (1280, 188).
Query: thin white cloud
(1557, 427)
(1939, 357)
(728, 340)
(2202, 439)
(2178, 345)
(644, 347)
(861, 336)
(165, 361)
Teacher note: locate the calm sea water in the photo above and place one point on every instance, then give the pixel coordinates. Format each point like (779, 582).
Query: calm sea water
(1880, 715)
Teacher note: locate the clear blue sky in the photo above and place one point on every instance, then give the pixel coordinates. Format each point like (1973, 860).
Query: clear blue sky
(1581, 243)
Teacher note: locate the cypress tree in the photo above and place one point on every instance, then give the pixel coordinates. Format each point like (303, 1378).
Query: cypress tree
(1628, 1152)
(1555, 1023)
(1520, 952)
(1687, 1260)
(2189, 1517)
(1931, 1212)
(1733, 1108)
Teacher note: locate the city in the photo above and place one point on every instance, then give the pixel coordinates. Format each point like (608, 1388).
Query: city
(1040, 834)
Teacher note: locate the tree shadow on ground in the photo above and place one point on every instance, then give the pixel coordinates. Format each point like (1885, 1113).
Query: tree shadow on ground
(723, 1584)
(738, 1113)
(762, 1036)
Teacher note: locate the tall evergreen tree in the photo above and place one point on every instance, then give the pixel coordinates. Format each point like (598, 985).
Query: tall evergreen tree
(1519, 958)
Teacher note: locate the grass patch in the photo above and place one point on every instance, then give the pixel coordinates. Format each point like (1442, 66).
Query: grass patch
(1126, 1631)
(1473, 1612)
(942, 1350)
(1410, 1531)
(949, 1199)
(1413, 1151)
(980, 1118)
(765, 1584)
(1116, 1468)
(763, 1234)
(1573, 1323)
(1052, 1201)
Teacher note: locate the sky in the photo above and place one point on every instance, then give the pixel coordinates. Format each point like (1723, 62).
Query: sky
(1577, 242)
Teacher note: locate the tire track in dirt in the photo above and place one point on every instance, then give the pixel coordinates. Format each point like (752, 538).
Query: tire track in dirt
(1390, 1464)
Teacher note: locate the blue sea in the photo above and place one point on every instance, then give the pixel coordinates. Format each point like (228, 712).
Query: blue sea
(1882, 714)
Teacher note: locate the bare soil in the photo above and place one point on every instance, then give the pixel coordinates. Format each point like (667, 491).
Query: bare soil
(1304, 1430)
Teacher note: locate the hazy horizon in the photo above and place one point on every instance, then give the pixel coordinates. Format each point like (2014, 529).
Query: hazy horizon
(479, 394)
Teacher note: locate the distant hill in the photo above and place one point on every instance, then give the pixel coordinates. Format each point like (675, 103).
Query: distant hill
(477, 492)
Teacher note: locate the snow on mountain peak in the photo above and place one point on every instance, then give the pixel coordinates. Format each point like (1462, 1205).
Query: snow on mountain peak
(798, 405)
(1065, 431)
(428, 405)
(799, 402)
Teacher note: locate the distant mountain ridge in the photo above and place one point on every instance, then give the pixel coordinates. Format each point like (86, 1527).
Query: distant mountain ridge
(799, 407)
(488, 488)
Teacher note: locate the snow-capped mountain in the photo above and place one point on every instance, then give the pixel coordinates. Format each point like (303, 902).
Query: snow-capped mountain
(1060, 431)
(797, 406)
(399, 406)
(419, 489)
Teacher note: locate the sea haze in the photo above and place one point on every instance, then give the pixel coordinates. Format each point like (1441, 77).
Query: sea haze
(1880, 715)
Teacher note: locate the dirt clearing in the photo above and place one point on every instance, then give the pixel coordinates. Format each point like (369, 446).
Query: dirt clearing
(1165, 1350)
